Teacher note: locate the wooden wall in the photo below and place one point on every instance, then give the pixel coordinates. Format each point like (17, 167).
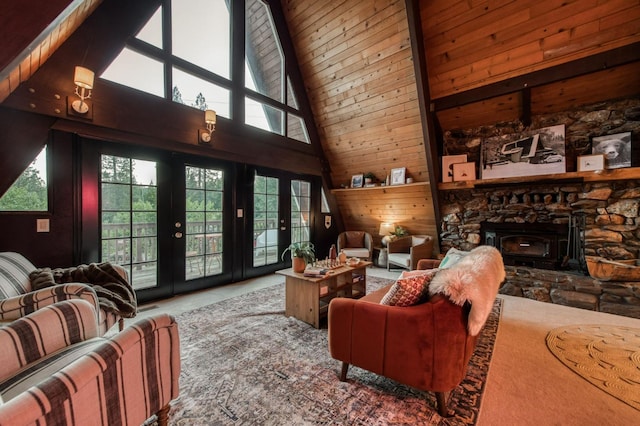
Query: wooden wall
(358, 69)
(472, 44)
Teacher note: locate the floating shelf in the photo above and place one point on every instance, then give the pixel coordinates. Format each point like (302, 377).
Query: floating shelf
(561, 178)
(370, 188)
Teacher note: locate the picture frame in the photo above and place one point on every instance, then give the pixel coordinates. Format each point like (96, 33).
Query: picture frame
(464, 171)
(592, 162)
(616, 149)
(397, 176)
(357, 180)
(447, 165)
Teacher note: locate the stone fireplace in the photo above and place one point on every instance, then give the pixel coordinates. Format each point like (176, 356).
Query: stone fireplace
(515, 214)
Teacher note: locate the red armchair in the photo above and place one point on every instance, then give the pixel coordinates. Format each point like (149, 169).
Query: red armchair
(426, 346)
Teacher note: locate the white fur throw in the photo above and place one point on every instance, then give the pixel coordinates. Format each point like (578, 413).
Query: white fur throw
(476, 279)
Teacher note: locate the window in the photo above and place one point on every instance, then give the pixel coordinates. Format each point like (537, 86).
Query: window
(185, 56)
(30, 191)
(300, 210)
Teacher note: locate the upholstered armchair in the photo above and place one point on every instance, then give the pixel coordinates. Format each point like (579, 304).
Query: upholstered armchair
(19, 297)
(56, 370)
(405, 252)
(428, 344)
(355, 244)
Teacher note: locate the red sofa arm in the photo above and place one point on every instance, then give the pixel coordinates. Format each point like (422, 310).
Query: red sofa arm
(428, 263)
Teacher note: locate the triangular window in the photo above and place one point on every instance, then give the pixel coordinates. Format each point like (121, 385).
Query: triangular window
(30, 191)
(184, 53)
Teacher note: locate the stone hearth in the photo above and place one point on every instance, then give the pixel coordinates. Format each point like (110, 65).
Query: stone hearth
(610, 209)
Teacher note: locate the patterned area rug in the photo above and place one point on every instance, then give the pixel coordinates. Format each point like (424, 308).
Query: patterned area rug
(605, 355)
(244, 362)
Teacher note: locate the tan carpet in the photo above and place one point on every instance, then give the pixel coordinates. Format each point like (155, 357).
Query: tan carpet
(607, 356)
(528, 385)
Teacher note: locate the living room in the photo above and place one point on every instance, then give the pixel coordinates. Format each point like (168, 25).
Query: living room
(381, 88)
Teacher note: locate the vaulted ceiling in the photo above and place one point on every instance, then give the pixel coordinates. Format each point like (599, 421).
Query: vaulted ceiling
(384, 78)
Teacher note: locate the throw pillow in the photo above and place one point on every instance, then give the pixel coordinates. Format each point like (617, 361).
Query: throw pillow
(410, 290)
(355, 239)
(452, 257)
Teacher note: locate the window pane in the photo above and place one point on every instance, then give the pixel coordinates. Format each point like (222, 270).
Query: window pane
(263, 53)
(29, 191)
(200, 34)
(291, 96)
(263, 116)
(137, 71)
(296, 129)
(200, 94)
(152, 31)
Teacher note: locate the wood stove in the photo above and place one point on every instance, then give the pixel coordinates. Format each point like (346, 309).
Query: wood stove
(538, 245)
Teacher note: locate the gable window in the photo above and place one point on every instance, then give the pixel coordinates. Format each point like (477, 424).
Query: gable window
(185, 53)
(29, 193)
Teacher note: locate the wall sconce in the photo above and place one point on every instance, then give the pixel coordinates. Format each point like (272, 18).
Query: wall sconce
(83, 78)
(386, 228)
(206, 136)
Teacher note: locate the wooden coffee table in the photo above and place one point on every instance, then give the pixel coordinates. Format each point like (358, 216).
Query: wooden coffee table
(307, 298)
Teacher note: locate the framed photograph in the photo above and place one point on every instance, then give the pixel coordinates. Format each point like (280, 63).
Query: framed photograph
(397, 176)
(464, 171)
(615, 148)
(590, 162)
(356, 180)
(529, 153)
(447, 165)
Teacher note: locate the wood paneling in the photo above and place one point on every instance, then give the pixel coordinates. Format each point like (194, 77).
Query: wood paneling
(357, 63)
(30, 37)
(472, 44)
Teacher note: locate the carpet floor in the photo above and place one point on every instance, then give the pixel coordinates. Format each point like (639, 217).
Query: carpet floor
(244, 362)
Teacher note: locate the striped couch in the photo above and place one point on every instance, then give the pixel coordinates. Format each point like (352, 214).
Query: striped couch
(18, 299)
(56, 370)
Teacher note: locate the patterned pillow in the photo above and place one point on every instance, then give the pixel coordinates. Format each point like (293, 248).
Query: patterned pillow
(410, 290)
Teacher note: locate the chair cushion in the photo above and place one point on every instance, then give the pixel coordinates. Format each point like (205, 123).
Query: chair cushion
(45, 367)
(356, 252)
(452, 257)
(14, 275)
(354, 239)
(402, 259)
(409, 290)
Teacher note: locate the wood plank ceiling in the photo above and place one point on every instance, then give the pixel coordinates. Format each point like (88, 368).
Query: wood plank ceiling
(359, 75)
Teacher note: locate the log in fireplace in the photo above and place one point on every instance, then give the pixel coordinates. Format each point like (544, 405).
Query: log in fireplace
(537, 245)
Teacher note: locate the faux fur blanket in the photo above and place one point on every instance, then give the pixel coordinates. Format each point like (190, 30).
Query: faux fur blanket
(114, 292)
(476, 279)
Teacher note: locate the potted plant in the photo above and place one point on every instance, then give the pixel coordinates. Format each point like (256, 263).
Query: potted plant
(302, 253)
(369, 178)
(400, 232)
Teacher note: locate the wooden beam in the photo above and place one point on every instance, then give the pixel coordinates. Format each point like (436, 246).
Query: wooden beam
(427, 114)
(620, 56)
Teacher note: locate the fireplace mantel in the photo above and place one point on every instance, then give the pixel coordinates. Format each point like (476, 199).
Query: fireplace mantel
(597, 176)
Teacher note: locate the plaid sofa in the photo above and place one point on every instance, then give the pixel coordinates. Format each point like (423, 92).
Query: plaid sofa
(56, 370)
(18, 299)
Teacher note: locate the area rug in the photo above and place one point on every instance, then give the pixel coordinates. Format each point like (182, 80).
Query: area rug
(605, 355)
(245, 363)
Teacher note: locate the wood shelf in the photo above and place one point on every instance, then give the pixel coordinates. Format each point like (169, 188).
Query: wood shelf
(404, 185)
(569, 177)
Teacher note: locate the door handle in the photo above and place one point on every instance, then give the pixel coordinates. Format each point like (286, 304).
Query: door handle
(178, 235)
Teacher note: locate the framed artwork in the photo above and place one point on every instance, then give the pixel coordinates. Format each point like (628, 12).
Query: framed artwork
(529, 153)
(447, 165)
(464, 171)
(356, 180)
(397, 176)
(590, 162)
(615, 148)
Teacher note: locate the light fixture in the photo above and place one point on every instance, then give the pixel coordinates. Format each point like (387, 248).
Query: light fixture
(386, 228)
(205, 136)
(83, 79)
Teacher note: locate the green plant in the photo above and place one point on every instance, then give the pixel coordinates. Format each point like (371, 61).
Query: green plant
(400, 232)
(305, 250)
(370, 175)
